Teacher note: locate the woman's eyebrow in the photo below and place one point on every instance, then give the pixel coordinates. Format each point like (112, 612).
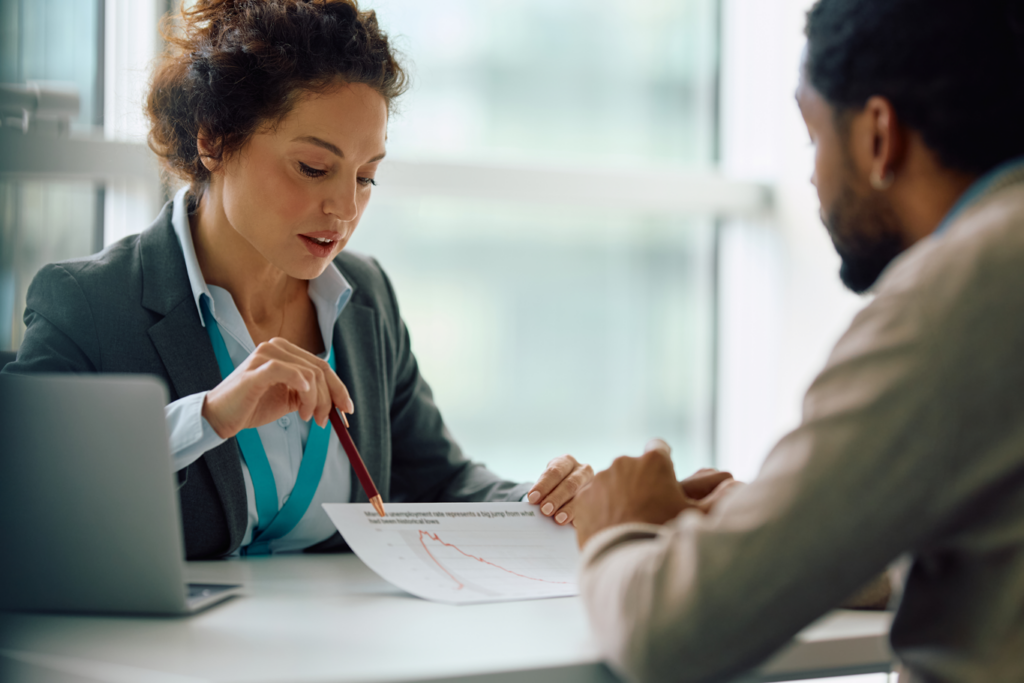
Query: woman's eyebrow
(333, 149)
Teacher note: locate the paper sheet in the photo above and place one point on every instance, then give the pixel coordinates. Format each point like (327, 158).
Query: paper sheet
(463, 553)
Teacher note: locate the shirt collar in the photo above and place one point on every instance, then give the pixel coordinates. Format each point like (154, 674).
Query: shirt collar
(329, 291)
(1000, 177)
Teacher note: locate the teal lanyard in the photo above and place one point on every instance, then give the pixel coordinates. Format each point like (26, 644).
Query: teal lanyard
(273, 523)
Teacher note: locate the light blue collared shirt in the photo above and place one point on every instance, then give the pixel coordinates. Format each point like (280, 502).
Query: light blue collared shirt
(283, 439)
(1004, 175)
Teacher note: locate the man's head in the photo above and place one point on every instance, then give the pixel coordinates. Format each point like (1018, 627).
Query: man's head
(906, 101)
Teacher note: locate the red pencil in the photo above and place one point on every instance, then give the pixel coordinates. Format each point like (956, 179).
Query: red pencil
(357, 463)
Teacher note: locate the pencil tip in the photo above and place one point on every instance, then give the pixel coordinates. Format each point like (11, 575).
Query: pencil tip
(378, 505)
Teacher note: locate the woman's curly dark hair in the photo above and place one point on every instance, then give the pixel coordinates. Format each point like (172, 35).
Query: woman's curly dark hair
(234, 66)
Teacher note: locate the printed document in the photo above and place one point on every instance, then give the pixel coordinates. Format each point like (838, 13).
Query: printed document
(463, 553)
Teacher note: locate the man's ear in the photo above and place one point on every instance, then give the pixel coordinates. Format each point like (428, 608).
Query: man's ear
(889, 142)
(209, 152)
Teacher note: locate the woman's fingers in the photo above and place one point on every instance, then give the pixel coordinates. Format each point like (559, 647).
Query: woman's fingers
(299, 380)
(324, 404)
(339, 392)
(330, 390)
(557, 470)
(241, 400)
(559, 484)
(277, 378)
(567, 514)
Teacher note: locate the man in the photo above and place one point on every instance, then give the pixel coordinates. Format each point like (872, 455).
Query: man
(912, 437)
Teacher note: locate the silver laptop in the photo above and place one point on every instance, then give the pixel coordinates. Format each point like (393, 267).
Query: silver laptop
(88, 501)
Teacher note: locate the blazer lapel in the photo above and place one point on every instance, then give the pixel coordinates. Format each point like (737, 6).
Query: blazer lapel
(185, 350)
(358, 363)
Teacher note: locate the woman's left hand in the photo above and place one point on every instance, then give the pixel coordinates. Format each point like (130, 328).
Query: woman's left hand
(555, 491)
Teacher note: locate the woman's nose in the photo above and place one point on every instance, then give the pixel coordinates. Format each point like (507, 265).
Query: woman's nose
(342, 203)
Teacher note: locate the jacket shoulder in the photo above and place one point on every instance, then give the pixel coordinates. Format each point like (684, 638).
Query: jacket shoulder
(110, 264)
(117, 263)
(370, 285)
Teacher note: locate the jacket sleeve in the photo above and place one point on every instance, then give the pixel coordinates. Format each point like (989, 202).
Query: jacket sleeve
(427, 464)
(706, 597)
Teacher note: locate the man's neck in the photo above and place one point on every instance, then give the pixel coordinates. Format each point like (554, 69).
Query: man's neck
(926, 191)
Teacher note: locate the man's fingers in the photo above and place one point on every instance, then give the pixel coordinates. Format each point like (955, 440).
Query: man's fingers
(557, 470)
(703, 482)
(658, 455)
(658, 445)
(708, 502)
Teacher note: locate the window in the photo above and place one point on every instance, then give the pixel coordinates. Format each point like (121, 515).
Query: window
(566, 326)
(547, 212)
(58, 44)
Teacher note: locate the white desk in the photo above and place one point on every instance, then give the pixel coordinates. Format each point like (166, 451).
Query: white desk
(329, 618)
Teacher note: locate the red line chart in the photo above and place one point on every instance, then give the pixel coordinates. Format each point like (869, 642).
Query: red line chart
(435, 537)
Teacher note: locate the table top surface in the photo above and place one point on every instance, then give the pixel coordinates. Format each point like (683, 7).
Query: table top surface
(329, 618)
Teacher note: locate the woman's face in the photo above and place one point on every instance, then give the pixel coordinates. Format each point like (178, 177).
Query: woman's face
(296, 191)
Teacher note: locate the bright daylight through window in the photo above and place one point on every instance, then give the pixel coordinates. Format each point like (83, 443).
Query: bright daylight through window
(560, 300)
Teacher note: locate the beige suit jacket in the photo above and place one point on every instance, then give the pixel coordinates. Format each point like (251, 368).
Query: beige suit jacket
(911, 443)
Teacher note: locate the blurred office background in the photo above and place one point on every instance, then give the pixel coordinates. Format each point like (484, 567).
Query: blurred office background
(596, 214)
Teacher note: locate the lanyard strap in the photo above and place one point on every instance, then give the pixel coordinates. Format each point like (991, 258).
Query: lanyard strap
(271, 522)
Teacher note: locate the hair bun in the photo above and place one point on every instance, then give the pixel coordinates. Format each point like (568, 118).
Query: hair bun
(234, 65)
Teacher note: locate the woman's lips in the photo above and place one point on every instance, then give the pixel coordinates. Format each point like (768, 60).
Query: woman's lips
(320, 244)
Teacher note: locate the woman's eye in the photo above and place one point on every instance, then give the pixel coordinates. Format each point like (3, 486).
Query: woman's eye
(367, 181)
(311, 172)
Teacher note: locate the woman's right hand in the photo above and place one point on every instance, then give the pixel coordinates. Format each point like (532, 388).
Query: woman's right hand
(276, 379)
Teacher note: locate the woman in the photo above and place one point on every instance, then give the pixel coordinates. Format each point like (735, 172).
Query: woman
(241, 298)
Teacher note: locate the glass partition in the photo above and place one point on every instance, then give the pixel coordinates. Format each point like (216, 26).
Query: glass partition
(543, 329)
(546, 331)
(583, 81)
(549, 330)
(55, 41)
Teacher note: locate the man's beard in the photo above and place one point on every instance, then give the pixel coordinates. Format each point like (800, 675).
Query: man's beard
(866, 234)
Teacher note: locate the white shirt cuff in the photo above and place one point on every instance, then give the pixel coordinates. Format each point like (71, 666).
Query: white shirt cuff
(191, 435)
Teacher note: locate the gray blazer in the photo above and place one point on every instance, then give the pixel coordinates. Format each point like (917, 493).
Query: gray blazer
(130, 309)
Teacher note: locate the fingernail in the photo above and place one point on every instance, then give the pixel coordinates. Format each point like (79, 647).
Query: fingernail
(534, 497)
(547, 509)
(654, 444)
(561, 517)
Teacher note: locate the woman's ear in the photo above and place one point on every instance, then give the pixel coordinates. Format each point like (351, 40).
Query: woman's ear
(209, 153)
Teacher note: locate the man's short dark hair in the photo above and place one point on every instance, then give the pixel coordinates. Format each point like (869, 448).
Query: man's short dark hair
(952, 69)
